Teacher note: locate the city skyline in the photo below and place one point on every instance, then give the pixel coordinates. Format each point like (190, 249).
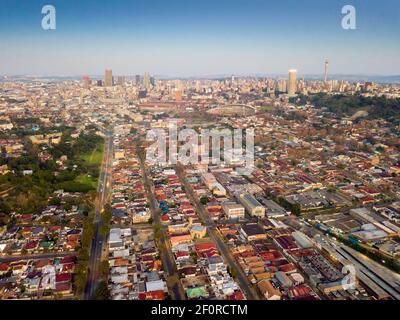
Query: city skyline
(181, 39)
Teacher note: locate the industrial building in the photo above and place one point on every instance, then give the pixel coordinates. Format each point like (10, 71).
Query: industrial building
(253, 207)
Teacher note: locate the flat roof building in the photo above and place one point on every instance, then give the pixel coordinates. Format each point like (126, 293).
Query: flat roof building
(233, 210)
(253, 231)
(253, 207)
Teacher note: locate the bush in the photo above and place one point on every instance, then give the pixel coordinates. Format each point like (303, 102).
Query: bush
(204, 201)
(102, 292)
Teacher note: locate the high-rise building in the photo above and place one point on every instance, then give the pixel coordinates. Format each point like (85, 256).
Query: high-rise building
(281, 86)
(198, 86)
(108, 78)
(137, 79)
(146, 80)
(178, 95)
(326, 71)
(121, 80)
(86, 81)
(153, 81)
(292, 83)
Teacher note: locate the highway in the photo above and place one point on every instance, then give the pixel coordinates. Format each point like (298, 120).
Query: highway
(102, 198)
(167, 257)
(244, 284)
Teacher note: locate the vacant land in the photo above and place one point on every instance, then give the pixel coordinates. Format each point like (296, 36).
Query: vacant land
(267, 109)
(87, 180)
(95, 157)
(93, 161)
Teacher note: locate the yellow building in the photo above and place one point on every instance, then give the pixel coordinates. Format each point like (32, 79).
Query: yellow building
(15, 148)
(178, 229)
(198, 232)
(375, 161)
(53, 138)
(120, 154)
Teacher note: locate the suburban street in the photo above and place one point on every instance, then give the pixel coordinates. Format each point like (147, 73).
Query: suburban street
(36, 256)
(102, 198)
(167, 257)
(244, 284)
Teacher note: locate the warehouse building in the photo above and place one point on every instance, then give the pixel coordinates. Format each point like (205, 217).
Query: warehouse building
(253, 207)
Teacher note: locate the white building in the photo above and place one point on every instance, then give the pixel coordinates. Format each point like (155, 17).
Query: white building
(233, 210)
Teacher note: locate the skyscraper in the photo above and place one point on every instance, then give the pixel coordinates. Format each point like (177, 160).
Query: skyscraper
(281, 86)
(292, 83)
(146, 80)
(86, 81)
(153, 81)
(178, 95)
(108, 78)
(121, 80)
(326, 70)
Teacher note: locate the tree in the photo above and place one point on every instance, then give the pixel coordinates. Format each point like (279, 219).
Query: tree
(157, 232)
(80, 280)
(102, 292)
(204, 201)
(232, 271)
(107, 214)
(104, 267)
(55, 201)
(22, 288)
(296, 209)
(83, 255)
(4, 206)
(87, 234)
(104, 230)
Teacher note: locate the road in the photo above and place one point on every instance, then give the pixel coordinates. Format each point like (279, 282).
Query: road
(102, 198)
(244, 284)
(167, 257)
(36, 256)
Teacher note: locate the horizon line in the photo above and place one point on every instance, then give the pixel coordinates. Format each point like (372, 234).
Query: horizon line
(211, 75)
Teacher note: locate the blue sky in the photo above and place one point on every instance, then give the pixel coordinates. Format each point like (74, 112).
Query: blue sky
(191, 37)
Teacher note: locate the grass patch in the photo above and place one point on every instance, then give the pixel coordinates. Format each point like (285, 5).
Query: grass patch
(87, 180)
(93, 160)
(267, 108)
(95, 157)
